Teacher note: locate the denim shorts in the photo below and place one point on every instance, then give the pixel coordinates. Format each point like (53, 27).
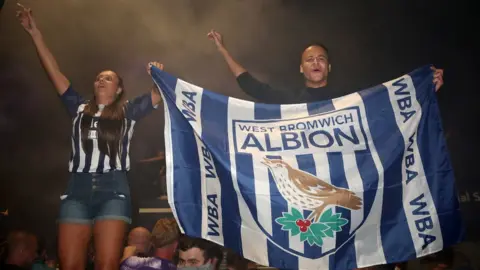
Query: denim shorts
(96, 196)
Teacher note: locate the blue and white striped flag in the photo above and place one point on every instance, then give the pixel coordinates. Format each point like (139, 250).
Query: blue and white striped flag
(360, 180)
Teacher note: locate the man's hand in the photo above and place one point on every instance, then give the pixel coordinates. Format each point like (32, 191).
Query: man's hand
(437, 78)
(25, 17)
(217, 38)
(128, 252)
(151, 64)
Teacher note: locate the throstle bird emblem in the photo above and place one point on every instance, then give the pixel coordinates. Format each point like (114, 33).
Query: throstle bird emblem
(308, 192)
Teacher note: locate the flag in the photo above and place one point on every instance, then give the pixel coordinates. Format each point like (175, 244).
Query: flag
(360, 180)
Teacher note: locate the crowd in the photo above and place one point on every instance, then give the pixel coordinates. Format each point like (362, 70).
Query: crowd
(163, 247)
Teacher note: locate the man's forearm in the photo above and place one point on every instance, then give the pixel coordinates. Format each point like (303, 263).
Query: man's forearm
(235, 67)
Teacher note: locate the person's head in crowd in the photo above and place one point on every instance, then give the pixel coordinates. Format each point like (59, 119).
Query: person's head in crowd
(440, 260)
(140, 238)
(165, 235)
(197, 253)
(22, 248)
(234, 261)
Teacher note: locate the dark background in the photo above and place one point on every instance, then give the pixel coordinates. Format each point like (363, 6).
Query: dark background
(370, 42)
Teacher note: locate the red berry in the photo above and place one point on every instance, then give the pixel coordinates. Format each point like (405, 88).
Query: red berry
(303, 228)
(307, 223)
(300, 222)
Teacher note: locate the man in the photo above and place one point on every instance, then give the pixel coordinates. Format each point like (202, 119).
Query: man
(138, 255)
(197, 253)
(165, 238)
(315, 67)
(21, 250)
(139, 243)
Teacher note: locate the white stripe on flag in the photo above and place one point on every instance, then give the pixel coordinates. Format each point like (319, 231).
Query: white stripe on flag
(403, 98)
(169, 161)
(292, 112)
(254, 241)
(189, 102)
(210, 185)
(368, 241)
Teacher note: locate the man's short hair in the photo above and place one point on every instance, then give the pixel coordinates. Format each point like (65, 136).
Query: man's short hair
(165, 232)
(210, 250)
(318, 44)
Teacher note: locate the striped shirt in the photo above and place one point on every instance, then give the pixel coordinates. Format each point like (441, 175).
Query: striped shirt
(96, 161)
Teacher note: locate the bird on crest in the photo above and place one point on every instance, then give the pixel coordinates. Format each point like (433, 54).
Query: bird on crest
(308, 192)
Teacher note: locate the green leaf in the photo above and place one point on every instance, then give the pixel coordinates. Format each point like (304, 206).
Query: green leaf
(329, 232)
(318, 241)
(294, 231)
(335, 222)
(288, 221)
(318, 229)
(283, 220)
(326, 216)
(311, 237)
(289, 226)
(314, 238)
(297, 214)
(304, 236)
(342, 221)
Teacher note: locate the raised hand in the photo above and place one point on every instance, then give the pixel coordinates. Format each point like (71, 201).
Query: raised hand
(25, 17)
(151, 64)
(216, 37)
(437, 78)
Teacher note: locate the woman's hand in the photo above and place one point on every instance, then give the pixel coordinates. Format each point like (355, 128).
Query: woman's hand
(151, 64)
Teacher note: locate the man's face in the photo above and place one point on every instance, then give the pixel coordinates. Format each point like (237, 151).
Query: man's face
(191, 257)
(315, 66)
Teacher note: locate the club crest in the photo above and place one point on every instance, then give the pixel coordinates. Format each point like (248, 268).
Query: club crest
(319, 213)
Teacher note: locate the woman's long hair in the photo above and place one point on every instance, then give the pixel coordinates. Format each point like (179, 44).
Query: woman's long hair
(110, 127)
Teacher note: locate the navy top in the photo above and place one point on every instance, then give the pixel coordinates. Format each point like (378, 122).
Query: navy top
(265, 93)
(94, 160)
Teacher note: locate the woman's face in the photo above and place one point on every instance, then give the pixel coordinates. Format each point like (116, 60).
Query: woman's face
(106, 85)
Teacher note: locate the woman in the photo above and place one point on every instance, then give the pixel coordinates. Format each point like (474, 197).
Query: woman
(97, 199)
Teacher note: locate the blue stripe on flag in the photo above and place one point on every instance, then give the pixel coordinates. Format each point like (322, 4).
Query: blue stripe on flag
(186, 174)
(280, 259)
(279, 204)
(320, 107)
(213, 132)
(369, 177)
(436, 161)
(167, 82)
(307, 163)
(338, 179)
(389, 145)
(246, 184)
